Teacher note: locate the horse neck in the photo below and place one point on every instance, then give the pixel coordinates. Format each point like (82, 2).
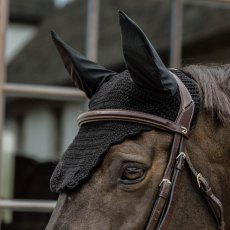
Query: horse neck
(209, 150)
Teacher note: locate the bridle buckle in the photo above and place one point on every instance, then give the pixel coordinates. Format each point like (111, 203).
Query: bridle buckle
(181, 154)
(165, 180)
(198, 179)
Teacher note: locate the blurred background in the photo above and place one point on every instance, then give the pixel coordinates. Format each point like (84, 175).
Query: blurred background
(37, 130)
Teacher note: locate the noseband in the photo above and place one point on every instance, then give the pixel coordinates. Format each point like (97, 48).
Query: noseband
(163, 207)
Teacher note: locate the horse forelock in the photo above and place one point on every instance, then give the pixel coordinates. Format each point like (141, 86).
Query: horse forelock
(214, 84)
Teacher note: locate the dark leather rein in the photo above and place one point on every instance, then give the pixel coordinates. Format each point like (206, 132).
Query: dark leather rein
(162, 210)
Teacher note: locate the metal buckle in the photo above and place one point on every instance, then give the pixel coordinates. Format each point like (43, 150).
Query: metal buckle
(198, 179)
(165, 180)
(181, 154)
(184, 130)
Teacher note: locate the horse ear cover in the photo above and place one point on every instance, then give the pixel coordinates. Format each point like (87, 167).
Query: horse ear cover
(144, 64)
(127, 90)
(86, 74)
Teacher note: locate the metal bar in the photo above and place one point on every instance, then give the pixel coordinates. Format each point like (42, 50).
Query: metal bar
(222, 4)
(176, 34)
(45, 92)
(227, 1)
(3, 24)
(92, 29)
(28, 205)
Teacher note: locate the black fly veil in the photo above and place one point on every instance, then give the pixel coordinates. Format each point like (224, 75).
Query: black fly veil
(146, 86)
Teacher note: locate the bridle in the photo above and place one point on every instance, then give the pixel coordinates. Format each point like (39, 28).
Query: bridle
(163, 207)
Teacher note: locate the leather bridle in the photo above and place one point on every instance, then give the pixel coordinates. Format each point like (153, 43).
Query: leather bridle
(162, 209)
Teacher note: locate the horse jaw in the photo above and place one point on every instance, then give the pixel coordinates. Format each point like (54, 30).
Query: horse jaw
(106, 203)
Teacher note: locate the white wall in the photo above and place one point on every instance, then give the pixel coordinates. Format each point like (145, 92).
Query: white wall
(61, 3)
(39, 134)
(69, 126)
(17, 36)
(7, 165)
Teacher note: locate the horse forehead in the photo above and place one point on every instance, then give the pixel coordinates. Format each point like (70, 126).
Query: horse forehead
(155, 137)
(145, 142)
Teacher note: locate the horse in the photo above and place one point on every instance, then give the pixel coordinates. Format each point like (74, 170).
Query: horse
(153, 150)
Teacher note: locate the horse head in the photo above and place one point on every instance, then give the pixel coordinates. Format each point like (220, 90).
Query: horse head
(110, 175)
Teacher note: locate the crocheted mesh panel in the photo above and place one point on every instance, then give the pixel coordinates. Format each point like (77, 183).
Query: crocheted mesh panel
(192, 87)
(94, 139)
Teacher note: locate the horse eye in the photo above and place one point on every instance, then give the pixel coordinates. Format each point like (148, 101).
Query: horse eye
(133, 175)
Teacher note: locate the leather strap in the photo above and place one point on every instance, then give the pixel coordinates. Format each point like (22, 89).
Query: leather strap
(163, 208)
(174, 194)
(132, 116)
(184, 117)
(214, 203)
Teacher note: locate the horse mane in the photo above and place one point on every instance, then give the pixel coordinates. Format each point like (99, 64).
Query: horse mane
(214, 84)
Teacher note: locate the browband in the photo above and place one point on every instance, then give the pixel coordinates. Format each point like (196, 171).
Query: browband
(132, 116)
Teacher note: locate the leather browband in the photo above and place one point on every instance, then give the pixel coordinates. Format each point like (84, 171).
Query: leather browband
(132, 116)
(163, 207)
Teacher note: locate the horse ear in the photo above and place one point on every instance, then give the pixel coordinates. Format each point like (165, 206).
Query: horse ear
(144, 64)
(87, 75)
